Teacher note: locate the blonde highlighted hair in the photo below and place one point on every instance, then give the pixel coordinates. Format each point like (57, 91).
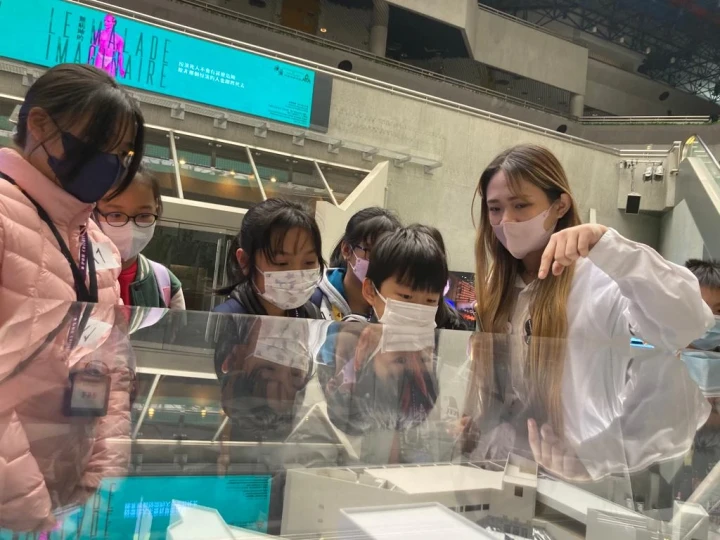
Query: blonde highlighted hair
(496, 274)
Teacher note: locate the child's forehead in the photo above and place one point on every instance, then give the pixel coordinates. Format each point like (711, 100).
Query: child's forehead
(292, 241)
(397, 283)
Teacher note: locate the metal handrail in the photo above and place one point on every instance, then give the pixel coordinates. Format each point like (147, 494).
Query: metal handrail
(351, 77)
(645, 120)
(328, 44)
(708, 151)
(523, 22)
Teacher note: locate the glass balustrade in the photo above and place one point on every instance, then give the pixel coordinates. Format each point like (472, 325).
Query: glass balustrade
(143, 423)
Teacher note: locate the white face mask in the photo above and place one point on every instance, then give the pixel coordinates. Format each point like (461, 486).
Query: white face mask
(407, 339)
(284, 341)
(129, 239)
(406, 313)
(289, 289)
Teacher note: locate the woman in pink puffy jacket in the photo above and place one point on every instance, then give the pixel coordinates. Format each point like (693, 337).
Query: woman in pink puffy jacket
(79, 136)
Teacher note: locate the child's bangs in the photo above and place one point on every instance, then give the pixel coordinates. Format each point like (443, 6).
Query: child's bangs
(421, 274)
(274, 238)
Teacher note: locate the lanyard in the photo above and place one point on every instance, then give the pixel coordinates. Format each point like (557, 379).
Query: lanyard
(86, 263)
(72, 316)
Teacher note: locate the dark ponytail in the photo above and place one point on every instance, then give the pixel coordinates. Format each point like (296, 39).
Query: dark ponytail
(264, 228)
(367, 225)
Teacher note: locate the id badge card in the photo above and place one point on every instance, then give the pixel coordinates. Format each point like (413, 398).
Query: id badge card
(87, 394)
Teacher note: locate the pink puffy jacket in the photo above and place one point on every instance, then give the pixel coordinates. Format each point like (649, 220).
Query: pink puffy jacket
(45, 459)
(31, 264)
(48, 460)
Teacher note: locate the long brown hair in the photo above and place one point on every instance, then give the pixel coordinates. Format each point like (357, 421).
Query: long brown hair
(497, 271)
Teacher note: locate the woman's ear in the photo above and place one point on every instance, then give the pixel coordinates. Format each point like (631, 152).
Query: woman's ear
(243, 260)
(563, 205)
(345, 250)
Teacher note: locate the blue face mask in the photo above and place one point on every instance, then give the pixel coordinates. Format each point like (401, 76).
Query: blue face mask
(711, 340)
(704, 369)
(86, 173)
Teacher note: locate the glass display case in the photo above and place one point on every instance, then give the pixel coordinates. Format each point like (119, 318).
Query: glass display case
(144, 423)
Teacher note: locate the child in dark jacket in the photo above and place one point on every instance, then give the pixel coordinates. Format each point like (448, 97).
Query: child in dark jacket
(275, 262)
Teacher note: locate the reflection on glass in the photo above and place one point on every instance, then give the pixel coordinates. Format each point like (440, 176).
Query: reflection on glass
(694, 147)
(196, 257)
(144, 382)
(158, 159)
(297, 422)
(342, 181)
(290, 178)
(216, 173)
(182, 408)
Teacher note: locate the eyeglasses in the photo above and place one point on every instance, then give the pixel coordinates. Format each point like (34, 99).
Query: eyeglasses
(365, 252)
(119, 219)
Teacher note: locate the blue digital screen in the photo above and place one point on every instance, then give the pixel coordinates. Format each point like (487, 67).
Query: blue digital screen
(123, 506)
(147, 57)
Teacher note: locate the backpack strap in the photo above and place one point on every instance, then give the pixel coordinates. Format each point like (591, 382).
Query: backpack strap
(162, 277)
(317, 297)
(313, 311)
(232, 306)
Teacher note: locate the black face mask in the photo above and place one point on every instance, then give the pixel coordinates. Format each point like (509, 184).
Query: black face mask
(85, 173)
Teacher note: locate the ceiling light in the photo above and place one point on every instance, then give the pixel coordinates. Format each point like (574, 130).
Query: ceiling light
(182, 162)
(203, 413)
(151, 412)
(273, 179)
(323, 30)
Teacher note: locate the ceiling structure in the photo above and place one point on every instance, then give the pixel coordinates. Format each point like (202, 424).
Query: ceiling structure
(679, 38)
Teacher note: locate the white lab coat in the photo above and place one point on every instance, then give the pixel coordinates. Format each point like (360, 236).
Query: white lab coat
(625, 288)
(623, 408)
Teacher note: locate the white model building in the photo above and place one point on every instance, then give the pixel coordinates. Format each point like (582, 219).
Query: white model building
(510, 500)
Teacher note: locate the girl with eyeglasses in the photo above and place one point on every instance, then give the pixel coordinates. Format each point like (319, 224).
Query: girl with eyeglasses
(339, 294)
(129, 219)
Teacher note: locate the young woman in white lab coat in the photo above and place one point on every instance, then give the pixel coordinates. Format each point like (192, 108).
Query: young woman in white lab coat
(541, 272)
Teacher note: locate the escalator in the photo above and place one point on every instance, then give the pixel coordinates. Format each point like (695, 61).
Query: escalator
(698, 184)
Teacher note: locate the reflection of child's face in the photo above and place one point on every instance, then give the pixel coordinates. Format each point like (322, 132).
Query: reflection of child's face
(391, 288)
(712, 298)
(276, 383)
(392, 365)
